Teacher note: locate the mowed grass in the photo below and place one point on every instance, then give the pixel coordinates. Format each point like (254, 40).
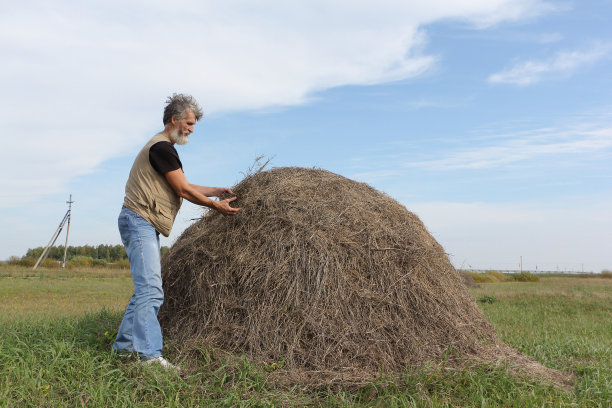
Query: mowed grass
(56, 331)
(56, 293)
(562, 322)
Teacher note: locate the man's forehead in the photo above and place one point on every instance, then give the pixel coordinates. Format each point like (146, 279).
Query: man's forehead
(190, 116)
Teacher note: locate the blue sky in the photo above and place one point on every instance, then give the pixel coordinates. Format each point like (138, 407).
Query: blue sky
(491, 120)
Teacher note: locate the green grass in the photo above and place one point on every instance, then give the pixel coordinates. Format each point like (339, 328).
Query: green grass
(564, 323)
(16, 271)
(54, 351)
(49, 297)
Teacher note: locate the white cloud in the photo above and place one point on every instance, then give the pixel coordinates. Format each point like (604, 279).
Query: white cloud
(548, 38)
(533, 146)
(562, 64)
(83, 82)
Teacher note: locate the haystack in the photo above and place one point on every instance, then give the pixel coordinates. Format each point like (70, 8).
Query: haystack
(323, 273)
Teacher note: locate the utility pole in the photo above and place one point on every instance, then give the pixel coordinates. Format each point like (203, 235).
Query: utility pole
(56, 235)
(521, 263)
(69, 202)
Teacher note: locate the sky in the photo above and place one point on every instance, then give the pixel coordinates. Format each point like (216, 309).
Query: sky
(489, 119)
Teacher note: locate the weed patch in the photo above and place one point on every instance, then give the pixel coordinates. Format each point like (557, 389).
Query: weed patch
(487, 299)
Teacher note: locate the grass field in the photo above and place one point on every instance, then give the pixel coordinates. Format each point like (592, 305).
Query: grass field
(56, 329)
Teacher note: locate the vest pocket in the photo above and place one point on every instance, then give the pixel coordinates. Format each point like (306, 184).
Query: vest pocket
(165, 208)
(160, 209)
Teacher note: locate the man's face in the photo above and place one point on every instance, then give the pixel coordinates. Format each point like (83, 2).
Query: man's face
(183, 128)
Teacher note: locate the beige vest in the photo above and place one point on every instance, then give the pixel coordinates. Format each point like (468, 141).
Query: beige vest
(149, 194)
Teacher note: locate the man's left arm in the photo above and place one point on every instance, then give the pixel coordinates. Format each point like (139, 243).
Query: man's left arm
(212, 191)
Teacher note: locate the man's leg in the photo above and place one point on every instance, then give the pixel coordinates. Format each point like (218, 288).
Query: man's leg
(140, 331)
(124, 340)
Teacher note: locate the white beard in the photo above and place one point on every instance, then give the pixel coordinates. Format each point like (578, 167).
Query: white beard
(179, 139)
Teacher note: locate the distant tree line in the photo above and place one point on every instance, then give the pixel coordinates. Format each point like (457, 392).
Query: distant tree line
(108, 253)
(85, 255)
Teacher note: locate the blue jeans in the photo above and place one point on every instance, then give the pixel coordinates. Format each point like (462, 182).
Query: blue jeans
(140, 331)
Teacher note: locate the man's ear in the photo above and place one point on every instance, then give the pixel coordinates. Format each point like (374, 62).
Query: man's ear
(173, 120)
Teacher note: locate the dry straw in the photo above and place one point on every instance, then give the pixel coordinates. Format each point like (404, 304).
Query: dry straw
(323, 273)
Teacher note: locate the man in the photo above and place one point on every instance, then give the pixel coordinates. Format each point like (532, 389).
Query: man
(153, 196)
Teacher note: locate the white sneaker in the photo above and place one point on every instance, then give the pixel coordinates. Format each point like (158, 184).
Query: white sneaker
(161, 361)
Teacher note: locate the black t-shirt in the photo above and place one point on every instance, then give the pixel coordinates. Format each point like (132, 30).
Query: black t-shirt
(164, 157)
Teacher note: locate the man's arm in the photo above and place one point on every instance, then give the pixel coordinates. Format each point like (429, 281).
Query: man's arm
(212, 191)
(196, 194)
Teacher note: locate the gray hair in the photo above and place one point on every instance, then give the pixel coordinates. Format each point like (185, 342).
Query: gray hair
(178, 105)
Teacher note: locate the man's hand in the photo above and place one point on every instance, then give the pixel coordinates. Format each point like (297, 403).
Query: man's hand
(224, 206)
